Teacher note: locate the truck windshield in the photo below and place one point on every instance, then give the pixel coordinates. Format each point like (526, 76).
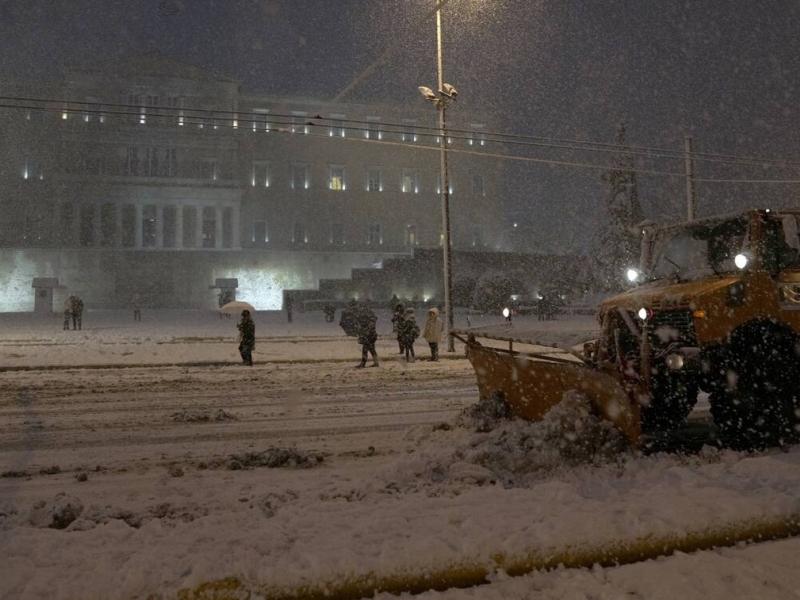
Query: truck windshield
(699, 250)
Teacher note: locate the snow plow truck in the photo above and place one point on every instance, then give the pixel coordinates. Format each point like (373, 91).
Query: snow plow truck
(713, 307)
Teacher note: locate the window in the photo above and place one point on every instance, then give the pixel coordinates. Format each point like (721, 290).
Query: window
(477, 185)
(32, 170)
(374, 180)
(409, 130)
(261, 119)
(132, 161)
(259, 236)
(439, 184)
(209, 169)
(375, 235)
(336, 180)
(300, 178)
(337, 234)
(409, 181)
(337, 128)
(299, 235)
(260, 174)
(189, 227)
(128, 225)
(169, 214)
(149, 226)
(477, 137)
(209, 230)
(411, 235)
(151, 162)
(373, 131)
(227, 227)
(108, 224)
(477, 237)
(175, 103)
(171, 162)
(299, 122)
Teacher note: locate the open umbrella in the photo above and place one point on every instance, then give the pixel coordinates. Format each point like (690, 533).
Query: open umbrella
(236, 307)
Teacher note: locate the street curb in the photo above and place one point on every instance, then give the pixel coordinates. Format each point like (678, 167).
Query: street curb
(209, 363)
(470, 574)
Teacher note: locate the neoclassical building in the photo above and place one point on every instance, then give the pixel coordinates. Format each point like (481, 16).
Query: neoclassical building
(154, 177)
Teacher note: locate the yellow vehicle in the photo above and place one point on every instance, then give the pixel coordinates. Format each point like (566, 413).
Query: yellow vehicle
(715, 306)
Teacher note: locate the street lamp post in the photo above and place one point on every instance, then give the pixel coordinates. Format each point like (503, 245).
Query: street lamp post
(441, 98)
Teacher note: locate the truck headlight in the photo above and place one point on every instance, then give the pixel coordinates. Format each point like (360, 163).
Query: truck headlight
(643, 314)
(741, 260)
(633, 275)
(675, 362)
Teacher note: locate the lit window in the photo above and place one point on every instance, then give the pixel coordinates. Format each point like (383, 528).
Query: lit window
(259, 176)
(299, 122)
(235, 121)
(209, 169)
(261, 119)
(409, 182)
(411, 235)
(374, 180)
(336, 178)
(300, 177)
(373, 131)
(439, 184)
(375, 235)
(299, 234)
(477, 137)
(337, 234)
(337, 128)
(260, 234)
(409, 130)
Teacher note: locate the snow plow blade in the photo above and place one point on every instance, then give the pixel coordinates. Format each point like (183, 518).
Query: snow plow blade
(532, 383)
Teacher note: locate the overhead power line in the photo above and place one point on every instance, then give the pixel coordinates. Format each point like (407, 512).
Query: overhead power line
(217, 123)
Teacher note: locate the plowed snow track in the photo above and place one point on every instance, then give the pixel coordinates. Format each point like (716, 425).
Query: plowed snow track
(121, 418)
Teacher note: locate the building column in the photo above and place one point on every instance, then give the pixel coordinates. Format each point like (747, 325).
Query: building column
(138, 227)
(198, 222)
(218, 227)
(118, 225)
(179, 226)
(236, 242)
(97, 224)
(159, 226)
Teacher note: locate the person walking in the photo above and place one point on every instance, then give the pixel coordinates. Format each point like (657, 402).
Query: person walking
(76, 309)
(432, 332)
(367, 336)
(397, 321)
(247, 337)
(67, 312)
(409, 332)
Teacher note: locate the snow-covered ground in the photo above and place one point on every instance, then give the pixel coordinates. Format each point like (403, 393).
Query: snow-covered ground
(136, 482)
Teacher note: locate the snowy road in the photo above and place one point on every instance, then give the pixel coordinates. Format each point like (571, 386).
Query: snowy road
(117, 418)
(133, 482)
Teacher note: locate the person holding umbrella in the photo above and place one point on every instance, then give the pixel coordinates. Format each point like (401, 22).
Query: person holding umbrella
(247, 337)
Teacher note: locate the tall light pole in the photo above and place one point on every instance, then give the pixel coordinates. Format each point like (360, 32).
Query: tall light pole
(441, 98)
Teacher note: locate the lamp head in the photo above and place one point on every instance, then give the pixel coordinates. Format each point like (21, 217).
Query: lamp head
(449, 91)
(427, 93)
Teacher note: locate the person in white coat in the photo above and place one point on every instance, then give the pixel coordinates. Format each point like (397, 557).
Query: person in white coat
(433, 332)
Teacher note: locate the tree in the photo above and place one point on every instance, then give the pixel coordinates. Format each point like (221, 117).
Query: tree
(618, 243)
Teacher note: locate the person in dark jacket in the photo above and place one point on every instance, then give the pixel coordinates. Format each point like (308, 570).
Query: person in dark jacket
(247, 337)
(367, 336)
(76, 308)
(409, 332)
(397, 320)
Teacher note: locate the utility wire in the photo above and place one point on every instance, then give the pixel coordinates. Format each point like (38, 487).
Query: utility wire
(648, 152)
(190, 120)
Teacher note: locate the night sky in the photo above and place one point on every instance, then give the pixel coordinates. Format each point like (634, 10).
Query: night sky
(725, 72)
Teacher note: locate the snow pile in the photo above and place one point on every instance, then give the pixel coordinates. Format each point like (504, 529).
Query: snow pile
(274, 458)
(487, 446)
(188, 415)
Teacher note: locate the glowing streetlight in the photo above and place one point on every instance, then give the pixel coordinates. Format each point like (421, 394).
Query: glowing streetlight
(441, 98)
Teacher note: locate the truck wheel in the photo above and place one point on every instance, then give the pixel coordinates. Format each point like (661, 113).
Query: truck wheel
(756, 406)
(672, 399)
